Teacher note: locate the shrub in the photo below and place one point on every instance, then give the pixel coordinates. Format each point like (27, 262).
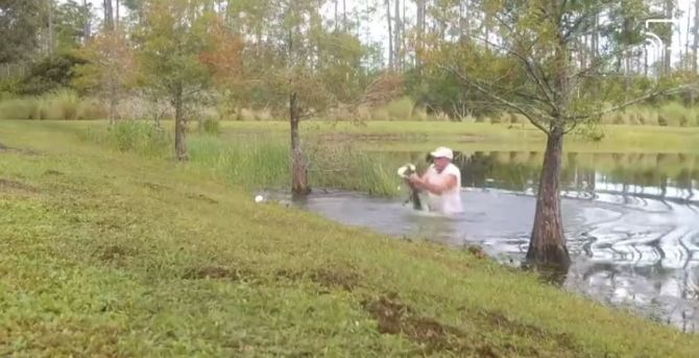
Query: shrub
(210, 125)
(400, 109)
(139, 136)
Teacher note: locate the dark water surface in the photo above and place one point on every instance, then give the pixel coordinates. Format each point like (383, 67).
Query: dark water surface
(632, 223)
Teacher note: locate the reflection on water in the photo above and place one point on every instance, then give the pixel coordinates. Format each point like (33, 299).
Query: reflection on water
(632, 223)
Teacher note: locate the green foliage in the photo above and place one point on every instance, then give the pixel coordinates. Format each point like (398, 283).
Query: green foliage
(172, 39)
(9, 86)
(441, 91)
(675, 114)
(137, 136)
(71, 19)
(323, 66)
(20, 22)
(591, 131)
(210, 125)
(50, 74)
(400, 109)
(108, 67)
(62, 104)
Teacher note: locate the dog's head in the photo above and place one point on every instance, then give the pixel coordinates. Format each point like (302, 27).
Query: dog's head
(406, 170)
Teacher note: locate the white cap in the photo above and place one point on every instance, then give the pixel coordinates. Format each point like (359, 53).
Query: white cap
(443, 152)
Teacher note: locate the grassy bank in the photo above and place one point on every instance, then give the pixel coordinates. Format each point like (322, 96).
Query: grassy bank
(114, 254)
(471, 137)
(254, 160)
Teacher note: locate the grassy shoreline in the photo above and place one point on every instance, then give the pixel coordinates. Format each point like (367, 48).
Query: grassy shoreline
(108, 253)
(470, 137)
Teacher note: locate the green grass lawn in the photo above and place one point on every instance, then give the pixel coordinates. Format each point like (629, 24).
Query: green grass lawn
(111, 254)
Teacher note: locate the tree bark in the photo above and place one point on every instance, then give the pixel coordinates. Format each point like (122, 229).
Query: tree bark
(667, 62)
(344, 15)
(687, 56)
(117, 15)
(112, 103)
(420, 33)
(299, 166)
(645, 61)
(486, 27)
(547, 247)
(390, 35)
(397, 40)
(86, 26)
(108, 15)
(50, 46)
(695, 31)
(695, 46)
(180, 128)
(595, 38)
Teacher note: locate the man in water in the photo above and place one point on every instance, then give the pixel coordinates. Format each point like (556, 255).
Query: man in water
(442, 182)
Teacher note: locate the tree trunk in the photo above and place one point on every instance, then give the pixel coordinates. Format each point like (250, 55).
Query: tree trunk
(112, 103)
(645, 61)
(667, 63)
(420, 33)
(180, 129)
(461, 20)
(108, 15)
(397, 34)
(695, 31)
(486, 26)
(299, 167)
(404, 44)
(390, 35)
(687, 56)
(344, 15)
(86, 26)
(595, 38)
(50, 46)
(695, 46)
(116, 17)
(547, 247)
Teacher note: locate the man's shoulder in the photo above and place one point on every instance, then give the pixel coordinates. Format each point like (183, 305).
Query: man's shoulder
(453, 169)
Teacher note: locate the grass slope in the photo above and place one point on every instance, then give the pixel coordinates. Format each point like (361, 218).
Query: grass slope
(107, 254)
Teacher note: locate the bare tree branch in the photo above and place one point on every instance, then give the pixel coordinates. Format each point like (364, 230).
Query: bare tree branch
(515, 106)
(539, 78)
(647, 96)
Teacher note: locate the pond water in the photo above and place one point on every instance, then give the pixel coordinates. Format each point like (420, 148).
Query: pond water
(631, 221)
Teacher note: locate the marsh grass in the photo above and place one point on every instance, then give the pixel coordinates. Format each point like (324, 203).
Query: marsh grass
(139, 137)
(262, 162)
(58, 105)
(670, 114)
(252, 162)
(210, 126)
(343, 165)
